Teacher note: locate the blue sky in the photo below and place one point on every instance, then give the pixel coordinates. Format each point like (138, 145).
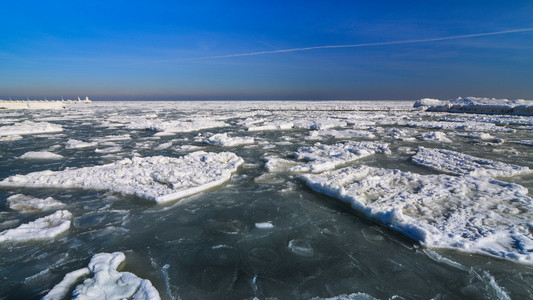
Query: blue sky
(155, 49)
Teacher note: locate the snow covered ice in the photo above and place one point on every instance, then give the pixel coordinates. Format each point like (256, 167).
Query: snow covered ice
(471, 214)
(268, 200)
(156, 178)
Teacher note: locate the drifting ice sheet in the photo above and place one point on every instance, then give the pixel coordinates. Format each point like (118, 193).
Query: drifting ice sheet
(471, 214)
(41, 155)
(222, 139)
(29, 127)
(172, 127)
(457, 163)
(25, 203)
(157, 178)
(41, 229)
(106, 283)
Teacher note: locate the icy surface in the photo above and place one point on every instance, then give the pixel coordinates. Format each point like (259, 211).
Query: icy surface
(452, 162)
(76, 144)
(460, 126)
(478, 105)
(435, 136)
(24, 203)
(41, 155)
(29, 127)
(471, 214)
(222, 139)
(157, 178)
(41, 229)
(172, 127)
(106, 283)
(340, 134)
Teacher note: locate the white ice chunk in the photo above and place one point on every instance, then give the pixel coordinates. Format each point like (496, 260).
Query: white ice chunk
(41, 229)
(157, 178)
(163, 146)
(435, 136)
(478, 135)
(41, 155)
(340, 134)
(452, 162)
(222, 139)
(29, 127)
(478, 105)
(264, 225)
(106, 283)
(471, 214)
(75, 144)
(327, 157)
(170, 127)
(9, 138)
(275, 125)
(23, 203)
(354, 296)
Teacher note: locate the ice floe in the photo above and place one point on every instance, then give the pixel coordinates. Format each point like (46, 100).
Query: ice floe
(41, 155)
(478, 105)
(157, 178)
(107, 282)
(222, 139)
(471, 214)
(24, 203)
(525, 142)
(340, 134)
(41, 229)
(322, 157)
(29, 127)
(76, 144)
(452, 162)
(172, 127)
(435, 136)
(459, 126)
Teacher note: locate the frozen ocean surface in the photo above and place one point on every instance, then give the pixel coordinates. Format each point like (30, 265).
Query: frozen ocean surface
(268, 200)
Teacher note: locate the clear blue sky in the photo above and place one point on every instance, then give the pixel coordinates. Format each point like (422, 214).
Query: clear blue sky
(148, 49)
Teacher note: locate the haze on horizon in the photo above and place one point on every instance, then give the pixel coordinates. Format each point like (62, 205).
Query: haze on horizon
(214, 50)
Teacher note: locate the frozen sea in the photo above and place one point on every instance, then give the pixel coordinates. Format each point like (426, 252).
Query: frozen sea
(265, 200)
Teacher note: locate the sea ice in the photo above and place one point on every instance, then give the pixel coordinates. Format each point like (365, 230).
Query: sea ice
(172, 127)
(75, 144)
(471, 214)
(460, 126)
(29, 127)
(157, 178)
(106, 283)
(340, 134)
(478, 105)
(222, 139)
(25, 203)
(41, 229)
(456, 163)
(435, 136)
(322, 157)
(40, 155)
(526, 142)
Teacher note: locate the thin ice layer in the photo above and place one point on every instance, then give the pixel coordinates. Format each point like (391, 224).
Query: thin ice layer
(157, 178)
(106, 283)
(452, 162)
(41, 229)
(222, 139)
(471, 214)
(29, 127)
(23, 203)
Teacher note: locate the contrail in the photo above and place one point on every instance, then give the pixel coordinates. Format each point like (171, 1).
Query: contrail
(455, 37)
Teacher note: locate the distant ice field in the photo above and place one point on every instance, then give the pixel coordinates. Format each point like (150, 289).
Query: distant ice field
(268, 199)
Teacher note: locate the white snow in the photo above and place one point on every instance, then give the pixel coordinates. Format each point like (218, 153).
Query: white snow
(157, 178)
(41, 155)
(471, 214)
(24, 203)
(106, 283)
(222, 139)
(452, 162)
(435, 136)
(76, 144)
(478, 105)
(29, 127)
(41, 229)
